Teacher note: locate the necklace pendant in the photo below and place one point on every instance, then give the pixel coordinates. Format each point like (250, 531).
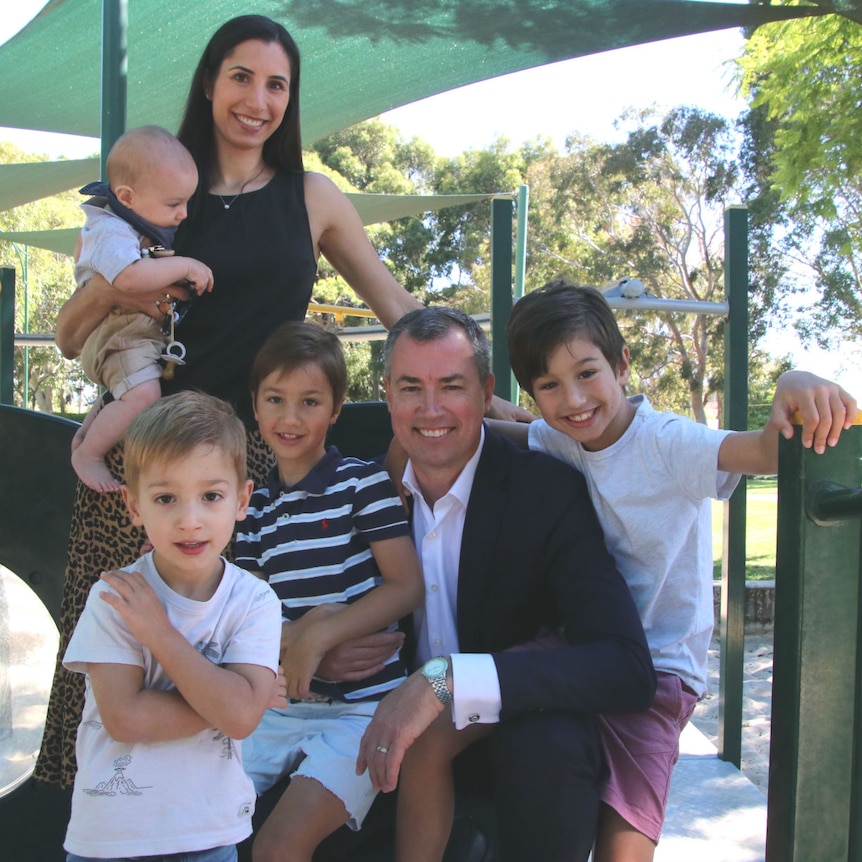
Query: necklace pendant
(227, 206)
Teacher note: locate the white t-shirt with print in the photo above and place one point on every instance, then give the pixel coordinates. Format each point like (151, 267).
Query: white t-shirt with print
(148, 798)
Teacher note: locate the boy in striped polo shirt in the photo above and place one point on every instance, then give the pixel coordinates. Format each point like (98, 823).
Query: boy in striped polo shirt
(330, 536)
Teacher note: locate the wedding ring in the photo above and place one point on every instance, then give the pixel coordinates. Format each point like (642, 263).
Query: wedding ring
(383, 749)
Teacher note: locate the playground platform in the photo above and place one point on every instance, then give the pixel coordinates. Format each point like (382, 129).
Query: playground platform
(715, 814)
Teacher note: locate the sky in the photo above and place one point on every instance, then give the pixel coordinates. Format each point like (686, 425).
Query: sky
(585, 95)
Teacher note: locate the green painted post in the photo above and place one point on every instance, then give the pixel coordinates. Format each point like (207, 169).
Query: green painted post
(115, 21)
(501, 294)
(521, 240)
(732, 625)
(7, 333)
(814, 773)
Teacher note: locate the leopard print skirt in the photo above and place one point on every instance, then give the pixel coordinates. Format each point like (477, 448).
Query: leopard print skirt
(101, 538)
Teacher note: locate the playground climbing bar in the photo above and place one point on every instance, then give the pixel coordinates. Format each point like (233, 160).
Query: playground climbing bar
(815, 807)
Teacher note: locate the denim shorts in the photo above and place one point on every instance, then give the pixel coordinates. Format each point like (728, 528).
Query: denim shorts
(315, 740)
(214, 854)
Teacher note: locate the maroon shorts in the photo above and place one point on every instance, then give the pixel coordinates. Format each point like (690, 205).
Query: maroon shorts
(641, 749)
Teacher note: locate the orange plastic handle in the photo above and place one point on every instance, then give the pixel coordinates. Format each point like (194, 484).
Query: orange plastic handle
(797, 419)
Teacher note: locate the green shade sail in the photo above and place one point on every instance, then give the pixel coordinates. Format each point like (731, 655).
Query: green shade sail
(372, 209)
(360, 57)
(20, 184)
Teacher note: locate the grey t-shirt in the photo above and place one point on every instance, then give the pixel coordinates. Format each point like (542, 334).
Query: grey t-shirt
(651, 490)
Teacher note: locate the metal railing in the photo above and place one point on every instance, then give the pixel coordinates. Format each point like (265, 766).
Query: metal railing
(814, 800)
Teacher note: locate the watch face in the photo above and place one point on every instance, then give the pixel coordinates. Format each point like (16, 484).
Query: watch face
(435, 667)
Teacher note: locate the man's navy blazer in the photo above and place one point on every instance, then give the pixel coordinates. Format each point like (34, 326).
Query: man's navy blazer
(533, 554)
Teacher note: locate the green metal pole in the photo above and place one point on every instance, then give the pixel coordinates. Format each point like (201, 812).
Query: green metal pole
(115, 22)
(23, 253)
(521, 240)
(25, 277)
(7, 332)
(501, 294)
(813, 810)
(732, 626)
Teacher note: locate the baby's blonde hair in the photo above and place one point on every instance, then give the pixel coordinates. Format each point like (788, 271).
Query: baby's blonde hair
(143, 151)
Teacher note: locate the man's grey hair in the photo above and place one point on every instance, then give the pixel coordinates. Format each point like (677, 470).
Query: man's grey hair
(433, 324)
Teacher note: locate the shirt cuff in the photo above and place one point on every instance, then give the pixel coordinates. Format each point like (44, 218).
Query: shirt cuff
(477, 690)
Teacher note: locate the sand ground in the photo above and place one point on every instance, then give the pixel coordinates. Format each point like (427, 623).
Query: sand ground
(756, 706)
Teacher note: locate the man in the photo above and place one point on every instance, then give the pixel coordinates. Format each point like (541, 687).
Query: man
(510, 547)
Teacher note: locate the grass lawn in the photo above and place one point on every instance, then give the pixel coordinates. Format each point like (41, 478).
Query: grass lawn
(760, 530)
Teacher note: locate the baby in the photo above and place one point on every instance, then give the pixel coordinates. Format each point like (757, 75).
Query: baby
(151, 177)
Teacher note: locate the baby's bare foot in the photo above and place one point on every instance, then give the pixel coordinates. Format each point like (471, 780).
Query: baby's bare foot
(94, 473)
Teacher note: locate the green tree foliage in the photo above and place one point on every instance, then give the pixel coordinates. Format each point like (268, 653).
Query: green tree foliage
(651, 207)
(43, 282)
(371, 157)
(462, 259)
(803, 80)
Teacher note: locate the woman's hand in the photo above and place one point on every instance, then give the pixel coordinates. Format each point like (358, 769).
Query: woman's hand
(90, 304)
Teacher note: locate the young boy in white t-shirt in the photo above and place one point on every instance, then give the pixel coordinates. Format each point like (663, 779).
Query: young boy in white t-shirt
(180, 650)
(651, 477)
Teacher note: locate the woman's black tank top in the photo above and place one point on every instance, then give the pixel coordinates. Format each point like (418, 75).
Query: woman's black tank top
(262, 257)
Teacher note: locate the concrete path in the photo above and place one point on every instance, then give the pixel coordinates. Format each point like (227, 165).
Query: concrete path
(715, 814)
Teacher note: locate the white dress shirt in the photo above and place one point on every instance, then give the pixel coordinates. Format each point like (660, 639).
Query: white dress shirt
(437, 532)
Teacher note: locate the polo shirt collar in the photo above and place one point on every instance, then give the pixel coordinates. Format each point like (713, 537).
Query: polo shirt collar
(316, 481)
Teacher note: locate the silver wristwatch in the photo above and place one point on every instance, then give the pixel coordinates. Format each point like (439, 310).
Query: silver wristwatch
(434, 670)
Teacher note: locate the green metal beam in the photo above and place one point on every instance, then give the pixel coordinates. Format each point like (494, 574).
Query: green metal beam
(501, 295)
(732, 626)
(115, 60)
(521, 240)
(814, 773)
(7, 332)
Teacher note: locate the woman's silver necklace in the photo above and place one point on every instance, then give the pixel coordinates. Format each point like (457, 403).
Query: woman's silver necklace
(228, 204)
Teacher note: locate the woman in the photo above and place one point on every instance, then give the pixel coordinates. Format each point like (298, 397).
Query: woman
(260, 223)
(258, 220)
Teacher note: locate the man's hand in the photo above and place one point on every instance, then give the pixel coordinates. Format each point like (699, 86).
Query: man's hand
(401, 717)
(350, 661)
(824, 407)
(137, 603)
(359, 658)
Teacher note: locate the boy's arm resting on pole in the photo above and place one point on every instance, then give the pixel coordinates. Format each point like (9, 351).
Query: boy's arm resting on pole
(824, 408)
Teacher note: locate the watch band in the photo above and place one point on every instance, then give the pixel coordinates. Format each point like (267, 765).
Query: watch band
(441, 689)
(435, 670)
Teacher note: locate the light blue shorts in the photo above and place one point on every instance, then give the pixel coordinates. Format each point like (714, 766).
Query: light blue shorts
(214, 854)
(315, 740)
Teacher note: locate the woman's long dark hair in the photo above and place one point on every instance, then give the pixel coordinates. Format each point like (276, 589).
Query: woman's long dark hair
(283, 149)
